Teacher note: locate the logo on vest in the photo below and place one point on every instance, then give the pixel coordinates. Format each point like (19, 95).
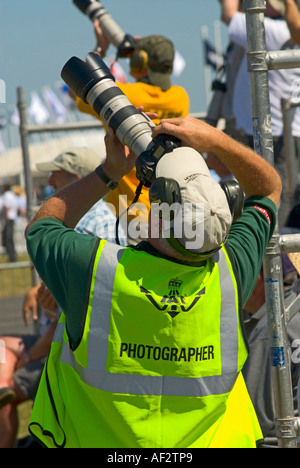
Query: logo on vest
(173, 303)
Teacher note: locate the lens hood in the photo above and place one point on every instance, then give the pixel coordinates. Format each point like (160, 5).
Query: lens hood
(81, 75)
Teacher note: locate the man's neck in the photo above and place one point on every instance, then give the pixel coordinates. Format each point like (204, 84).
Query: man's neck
(164, 250)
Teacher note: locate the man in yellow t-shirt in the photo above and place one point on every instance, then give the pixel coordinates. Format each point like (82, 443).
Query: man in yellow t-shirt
(151, 64)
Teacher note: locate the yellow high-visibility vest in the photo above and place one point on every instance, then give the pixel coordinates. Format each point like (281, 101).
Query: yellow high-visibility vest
(159, 362)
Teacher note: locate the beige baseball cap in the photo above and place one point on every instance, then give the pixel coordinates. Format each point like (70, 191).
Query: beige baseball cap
(78, 161)
(280, 5)
(204, 220)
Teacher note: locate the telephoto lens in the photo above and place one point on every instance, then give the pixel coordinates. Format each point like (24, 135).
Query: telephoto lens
(95, 10)
(93, 82)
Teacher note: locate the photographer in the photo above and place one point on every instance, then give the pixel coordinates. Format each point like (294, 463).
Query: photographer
(151, 65)
(149, 350)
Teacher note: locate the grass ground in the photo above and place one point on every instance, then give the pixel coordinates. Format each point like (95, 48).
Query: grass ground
(16, 281)
(24, 412)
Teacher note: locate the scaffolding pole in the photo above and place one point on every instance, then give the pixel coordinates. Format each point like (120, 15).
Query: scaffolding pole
(22, 107)
(259, 63)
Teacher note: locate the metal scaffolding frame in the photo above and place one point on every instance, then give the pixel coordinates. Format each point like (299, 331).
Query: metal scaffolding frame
(259, 63)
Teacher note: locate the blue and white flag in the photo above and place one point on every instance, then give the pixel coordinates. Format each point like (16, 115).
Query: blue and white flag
(212, 57)
(57, 110)
(37, 110)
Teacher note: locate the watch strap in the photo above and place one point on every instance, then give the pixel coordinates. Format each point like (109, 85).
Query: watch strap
(111, 184)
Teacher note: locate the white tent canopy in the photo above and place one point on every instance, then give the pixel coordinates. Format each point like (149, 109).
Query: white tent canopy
(11, 161)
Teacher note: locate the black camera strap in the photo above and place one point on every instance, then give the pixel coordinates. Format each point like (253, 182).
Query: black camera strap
(135, 200)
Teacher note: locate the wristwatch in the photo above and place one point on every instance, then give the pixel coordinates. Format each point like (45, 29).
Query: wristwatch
(111, 184)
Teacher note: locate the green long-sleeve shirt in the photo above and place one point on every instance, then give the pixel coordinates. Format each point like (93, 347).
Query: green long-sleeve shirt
(64, 258)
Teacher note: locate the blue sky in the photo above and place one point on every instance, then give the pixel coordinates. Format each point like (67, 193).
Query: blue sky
(37, 37)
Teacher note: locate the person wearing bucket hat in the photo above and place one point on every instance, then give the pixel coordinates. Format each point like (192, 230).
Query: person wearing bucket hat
(150, 343)
(282, 85)
(151, 65)
(72, 163)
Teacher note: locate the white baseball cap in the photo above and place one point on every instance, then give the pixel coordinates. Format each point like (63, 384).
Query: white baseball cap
(205, 219)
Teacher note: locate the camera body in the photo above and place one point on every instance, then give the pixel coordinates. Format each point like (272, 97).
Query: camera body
(125, 43)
